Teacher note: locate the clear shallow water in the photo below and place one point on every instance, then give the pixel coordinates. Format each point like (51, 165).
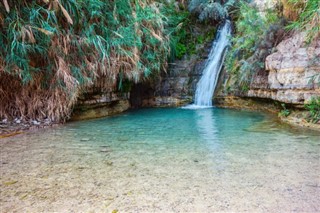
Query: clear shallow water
(163, 160)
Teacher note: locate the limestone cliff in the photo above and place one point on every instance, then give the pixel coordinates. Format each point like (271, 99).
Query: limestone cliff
(293, 72)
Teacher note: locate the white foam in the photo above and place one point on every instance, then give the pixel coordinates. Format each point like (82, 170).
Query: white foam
(208, 81)
(194, 106)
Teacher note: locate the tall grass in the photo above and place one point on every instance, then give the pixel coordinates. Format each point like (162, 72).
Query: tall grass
(63, 46)
(307, 17)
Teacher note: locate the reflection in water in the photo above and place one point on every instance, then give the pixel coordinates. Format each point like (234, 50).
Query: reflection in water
(208, 131)
(206, 124)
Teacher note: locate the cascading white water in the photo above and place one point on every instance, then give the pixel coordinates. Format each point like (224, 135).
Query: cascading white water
(208, 81)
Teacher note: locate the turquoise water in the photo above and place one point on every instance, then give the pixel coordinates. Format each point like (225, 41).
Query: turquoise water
(163, 160)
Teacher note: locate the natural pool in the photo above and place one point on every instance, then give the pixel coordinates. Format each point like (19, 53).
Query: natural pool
(163, 160)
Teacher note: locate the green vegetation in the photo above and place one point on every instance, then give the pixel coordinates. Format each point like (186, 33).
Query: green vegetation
(251, 29)
(250, 45)
(178, 37)
(54, 49)
(184, 40)
(209, 13)
(211, 10)
(111, 37)
(284, 112)
(308, 17)
(314, 110)
(187, 42)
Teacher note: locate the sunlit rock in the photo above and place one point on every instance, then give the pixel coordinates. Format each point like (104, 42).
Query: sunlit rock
(294, 72)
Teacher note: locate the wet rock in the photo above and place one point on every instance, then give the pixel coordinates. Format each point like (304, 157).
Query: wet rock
(34, 122)
(87, 110)
(17, 120)
(177, 86)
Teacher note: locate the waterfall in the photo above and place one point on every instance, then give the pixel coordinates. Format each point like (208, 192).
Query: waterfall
(208, 81)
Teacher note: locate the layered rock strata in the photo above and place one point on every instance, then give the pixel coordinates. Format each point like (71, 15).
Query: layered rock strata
(293, 72)
(100, 101)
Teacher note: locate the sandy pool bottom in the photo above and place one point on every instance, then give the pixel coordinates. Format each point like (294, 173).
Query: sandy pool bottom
(75, 169)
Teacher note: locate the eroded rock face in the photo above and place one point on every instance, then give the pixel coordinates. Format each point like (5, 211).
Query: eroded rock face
(100, 101)
(173, 88)
(84, 112)
(294, 72)
(179, 82)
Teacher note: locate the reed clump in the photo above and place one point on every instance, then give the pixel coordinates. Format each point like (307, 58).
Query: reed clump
(52, 50)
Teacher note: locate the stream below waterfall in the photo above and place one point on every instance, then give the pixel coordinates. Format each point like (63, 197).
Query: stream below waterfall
(163, 160)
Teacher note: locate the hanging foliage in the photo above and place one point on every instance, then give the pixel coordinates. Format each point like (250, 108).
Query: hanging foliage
(62, 46)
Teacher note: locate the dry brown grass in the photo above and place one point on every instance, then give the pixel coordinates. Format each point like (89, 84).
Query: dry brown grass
(53, 101)
(52, 94)
(291, 11)
(39, 98)
(31, 101)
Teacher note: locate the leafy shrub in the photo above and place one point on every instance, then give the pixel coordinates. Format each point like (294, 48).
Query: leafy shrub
(314, 110)
(179, 31)
(284, 112)
(251, 29)
(185, 37)
(308, 17)
(181, 50)
(36, 36)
